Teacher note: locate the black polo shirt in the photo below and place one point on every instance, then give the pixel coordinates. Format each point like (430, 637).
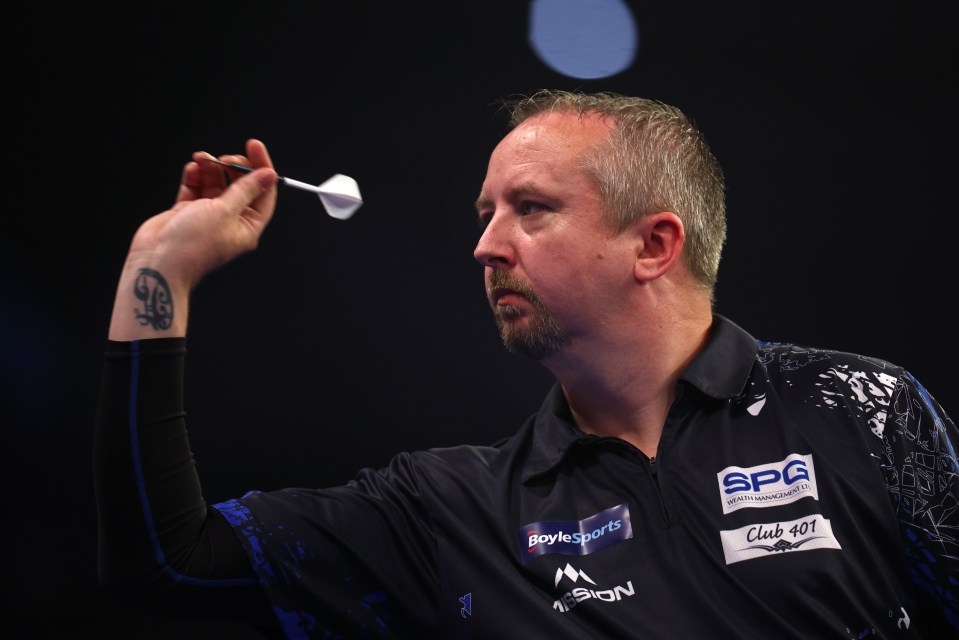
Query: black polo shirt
(797, 493)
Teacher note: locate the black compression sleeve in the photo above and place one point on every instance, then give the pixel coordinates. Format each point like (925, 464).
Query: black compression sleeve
(158, 540)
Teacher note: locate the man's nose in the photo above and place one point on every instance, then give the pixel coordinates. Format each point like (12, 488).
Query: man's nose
(494, 248)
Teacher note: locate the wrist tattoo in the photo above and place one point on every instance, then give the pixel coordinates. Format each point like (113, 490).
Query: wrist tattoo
(151, 288)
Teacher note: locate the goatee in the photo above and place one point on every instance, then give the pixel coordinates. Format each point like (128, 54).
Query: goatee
(541, 336)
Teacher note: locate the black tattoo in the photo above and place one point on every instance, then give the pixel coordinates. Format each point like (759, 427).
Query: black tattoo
(151, 287)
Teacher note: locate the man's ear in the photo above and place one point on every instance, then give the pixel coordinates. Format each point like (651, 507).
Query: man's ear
(660, 238)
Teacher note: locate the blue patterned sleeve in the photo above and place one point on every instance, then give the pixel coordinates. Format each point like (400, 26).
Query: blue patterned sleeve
(922, 472)
(355, 561)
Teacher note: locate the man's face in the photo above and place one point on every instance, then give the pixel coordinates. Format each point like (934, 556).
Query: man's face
(552, 269)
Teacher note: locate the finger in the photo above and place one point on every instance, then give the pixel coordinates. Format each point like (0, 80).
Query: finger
(252, 194)
(237, 160)
(257, 156)
(189, 182)
(212, 178)
(260, 157)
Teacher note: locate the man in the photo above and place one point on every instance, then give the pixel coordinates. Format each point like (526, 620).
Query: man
(680, 481)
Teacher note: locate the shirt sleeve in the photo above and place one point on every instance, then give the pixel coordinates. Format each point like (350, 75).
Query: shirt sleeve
(922, 476)
(351, 561)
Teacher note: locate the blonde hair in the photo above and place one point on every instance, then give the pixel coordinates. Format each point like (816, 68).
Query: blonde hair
(654, 160)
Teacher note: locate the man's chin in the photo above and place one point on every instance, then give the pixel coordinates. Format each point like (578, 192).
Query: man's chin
(533, 333)
(535, 346)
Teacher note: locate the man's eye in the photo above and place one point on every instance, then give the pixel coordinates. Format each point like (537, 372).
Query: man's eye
(484, 219)
(528, 208)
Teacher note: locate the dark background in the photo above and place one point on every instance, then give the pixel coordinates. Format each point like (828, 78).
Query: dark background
(338, 344)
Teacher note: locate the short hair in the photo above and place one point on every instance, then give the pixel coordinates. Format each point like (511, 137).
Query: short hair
(655, 159)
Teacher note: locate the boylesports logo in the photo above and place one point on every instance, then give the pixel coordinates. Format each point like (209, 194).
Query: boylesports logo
(576, 537)
(536, 538)
(768, 485)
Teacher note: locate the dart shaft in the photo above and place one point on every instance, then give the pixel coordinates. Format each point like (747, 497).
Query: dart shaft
(300, 185)
(296, 184)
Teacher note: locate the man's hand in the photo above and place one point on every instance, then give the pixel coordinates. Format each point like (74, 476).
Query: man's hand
(210, 224)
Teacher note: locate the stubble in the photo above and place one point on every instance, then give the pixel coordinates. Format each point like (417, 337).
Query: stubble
(540, 336)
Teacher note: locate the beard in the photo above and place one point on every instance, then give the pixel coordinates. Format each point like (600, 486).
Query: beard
(541, 336)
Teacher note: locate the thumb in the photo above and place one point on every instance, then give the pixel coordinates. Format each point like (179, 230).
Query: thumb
(245, 191)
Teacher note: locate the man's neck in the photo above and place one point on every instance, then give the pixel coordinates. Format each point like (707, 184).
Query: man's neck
(625, 389)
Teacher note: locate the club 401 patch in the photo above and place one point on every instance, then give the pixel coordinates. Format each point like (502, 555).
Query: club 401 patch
(772, 538)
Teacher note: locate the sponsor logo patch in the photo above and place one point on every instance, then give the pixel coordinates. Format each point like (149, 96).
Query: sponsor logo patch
(768, 485)
(579, 594)
(576, 537)
(771, 538)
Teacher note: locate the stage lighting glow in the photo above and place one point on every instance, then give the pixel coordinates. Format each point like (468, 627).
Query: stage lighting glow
(583, 38)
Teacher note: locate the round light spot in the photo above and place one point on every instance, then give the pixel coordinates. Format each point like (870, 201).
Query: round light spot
(583, 38)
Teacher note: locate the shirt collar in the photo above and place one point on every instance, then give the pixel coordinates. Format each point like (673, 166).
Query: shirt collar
(720, 371)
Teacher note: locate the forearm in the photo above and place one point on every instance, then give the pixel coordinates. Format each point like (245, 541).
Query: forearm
(158, 541)
(157, 536)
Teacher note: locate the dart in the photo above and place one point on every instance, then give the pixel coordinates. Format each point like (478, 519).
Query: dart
(340, 194)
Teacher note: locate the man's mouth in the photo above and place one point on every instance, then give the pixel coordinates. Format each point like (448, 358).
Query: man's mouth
(505, 295)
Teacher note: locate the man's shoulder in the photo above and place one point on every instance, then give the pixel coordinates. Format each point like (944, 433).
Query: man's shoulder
(473, 458)
(856, 385)
(787, 358)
